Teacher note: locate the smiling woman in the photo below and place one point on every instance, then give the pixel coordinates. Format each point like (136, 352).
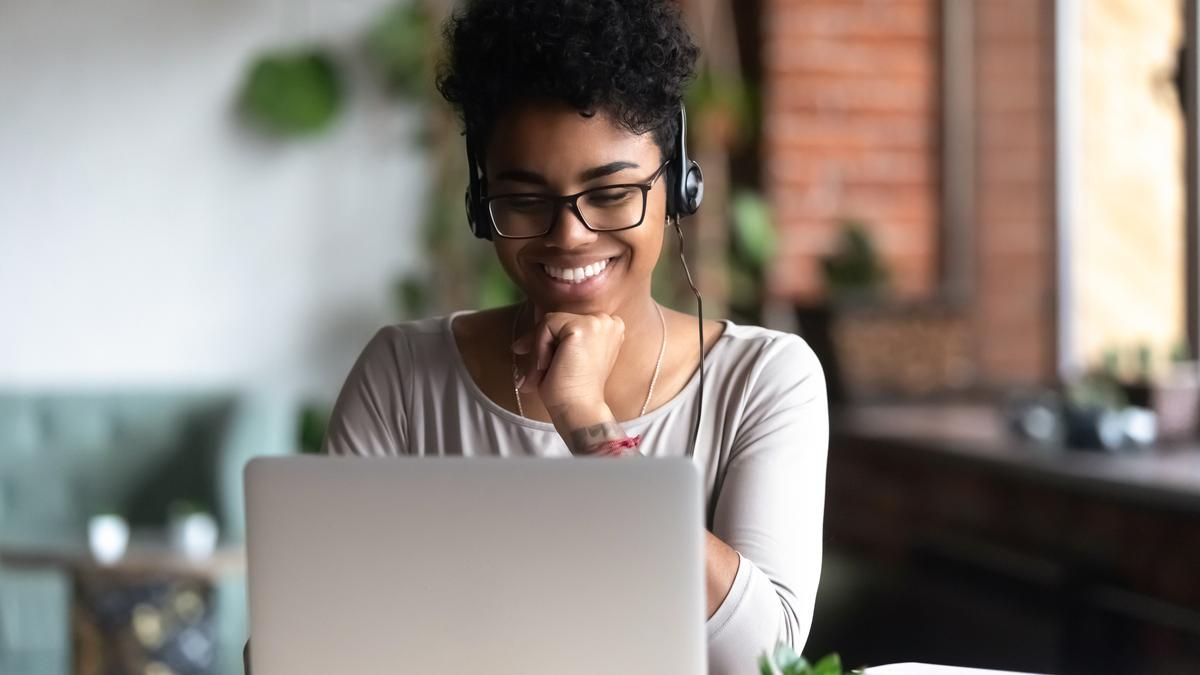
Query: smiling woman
(571, 110)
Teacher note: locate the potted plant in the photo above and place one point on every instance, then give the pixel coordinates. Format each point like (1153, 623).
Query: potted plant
(1170, 391)
(875, 347)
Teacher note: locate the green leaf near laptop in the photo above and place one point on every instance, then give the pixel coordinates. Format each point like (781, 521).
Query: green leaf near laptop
(785, 661)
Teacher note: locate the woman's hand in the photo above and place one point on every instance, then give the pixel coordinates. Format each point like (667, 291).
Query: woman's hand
(567, 359)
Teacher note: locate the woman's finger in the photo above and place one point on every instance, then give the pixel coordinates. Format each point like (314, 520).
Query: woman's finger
(543, 345)
(532, 381)
(522, 345)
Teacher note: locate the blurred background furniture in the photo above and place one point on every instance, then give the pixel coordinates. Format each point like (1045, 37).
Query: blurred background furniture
(58, 452)
(35, 637)
(154, 608)
(951, 540)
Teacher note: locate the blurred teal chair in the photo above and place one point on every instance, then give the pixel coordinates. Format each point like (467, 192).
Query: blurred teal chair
(67, 456)
(35, 628)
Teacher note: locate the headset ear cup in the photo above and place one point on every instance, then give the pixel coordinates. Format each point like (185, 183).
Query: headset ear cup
(693, 188)
(672, 191)
(479, 226)
(479, 222)
(482, 227)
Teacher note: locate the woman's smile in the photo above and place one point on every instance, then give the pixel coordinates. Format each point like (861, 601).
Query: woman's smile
(577, 278)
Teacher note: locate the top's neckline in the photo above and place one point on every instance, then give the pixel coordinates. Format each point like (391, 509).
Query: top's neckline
(495, 408)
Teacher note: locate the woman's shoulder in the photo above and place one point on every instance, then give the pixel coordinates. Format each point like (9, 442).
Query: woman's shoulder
(774, 352)
(433, 343)
(423, 342)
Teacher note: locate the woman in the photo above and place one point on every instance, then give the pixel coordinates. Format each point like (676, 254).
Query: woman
(581, 98)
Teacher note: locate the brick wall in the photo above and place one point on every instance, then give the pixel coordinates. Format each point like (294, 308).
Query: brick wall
(851, 131)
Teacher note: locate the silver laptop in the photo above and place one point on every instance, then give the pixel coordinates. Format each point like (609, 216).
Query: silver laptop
(498, 566)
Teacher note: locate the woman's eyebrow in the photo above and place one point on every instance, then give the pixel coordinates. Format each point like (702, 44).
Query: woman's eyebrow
(525, 176)
(521, 176)
(605, 170)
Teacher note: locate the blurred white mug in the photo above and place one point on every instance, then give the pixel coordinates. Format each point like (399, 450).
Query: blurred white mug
(194, 535)
(108, 537)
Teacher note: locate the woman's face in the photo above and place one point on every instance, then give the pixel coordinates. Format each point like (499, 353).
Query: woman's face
(550, 148)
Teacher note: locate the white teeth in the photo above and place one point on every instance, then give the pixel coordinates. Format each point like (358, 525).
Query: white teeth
(576, 274)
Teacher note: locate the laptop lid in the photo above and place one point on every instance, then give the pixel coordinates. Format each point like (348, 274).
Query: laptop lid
(481, 565)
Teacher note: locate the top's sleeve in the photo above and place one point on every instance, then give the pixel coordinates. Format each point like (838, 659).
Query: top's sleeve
(370, 417)
(770, 507)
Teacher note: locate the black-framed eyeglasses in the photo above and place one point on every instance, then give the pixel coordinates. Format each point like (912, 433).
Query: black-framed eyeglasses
(608, 208)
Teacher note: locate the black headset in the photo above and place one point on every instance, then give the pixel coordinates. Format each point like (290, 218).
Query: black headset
(685, 178)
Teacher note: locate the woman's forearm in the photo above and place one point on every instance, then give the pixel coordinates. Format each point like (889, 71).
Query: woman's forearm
(581, 429)
(720, 569)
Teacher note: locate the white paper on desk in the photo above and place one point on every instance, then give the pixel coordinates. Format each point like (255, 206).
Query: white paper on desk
(927, 669)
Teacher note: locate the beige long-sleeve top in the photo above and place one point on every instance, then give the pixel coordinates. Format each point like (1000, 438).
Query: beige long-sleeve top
(761, 451)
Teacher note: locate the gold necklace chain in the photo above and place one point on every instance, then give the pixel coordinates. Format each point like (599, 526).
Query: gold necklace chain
(662, 350)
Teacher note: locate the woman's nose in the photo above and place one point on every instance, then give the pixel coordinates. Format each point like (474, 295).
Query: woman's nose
(568, 231)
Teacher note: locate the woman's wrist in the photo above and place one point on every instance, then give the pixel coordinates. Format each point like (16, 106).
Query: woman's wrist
(621, 447)
(585, 427)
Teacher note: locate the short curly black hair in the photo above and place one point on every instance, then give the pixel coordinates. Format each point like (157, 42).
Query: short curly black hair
(630, 59)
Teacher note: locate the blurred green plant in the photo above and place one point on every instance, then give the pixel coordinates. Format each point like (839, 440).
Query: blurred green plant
(290, 93)
(495, 288)
(459, 270)
(181, 508)
(855, 270)
(750, 255)
(785, 661)
(1144, 357)
(1097, 390)
(1181, 353)
(1141, 363)
(397, 46)
(753, 229)
(314, 422)
(724, 107)
(411, 295)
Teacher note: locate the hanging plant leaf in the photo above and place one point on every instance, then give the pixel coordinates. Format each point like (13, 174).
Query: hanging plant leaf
(292, 93)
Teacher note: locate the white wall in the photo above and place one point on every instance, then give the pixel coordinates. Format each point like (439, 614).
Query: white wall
(147, 238)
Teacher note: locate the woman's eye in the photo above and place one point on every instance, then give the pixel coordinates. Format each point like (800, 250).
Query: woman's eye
(612, 197)
(526, 203)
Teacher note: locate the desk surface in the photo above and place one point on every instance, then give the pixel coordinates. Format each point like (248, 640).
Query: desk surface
(145, 556)
(977, 433)
(928, 669)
